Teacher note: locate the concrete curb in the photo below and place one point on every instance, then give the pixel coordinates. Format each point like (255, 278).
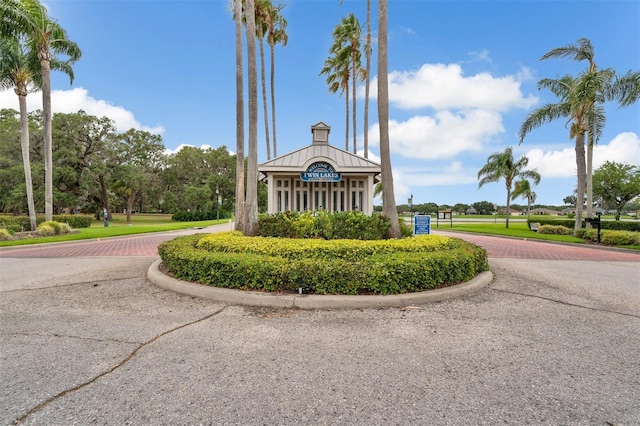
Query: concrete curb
(252, 298)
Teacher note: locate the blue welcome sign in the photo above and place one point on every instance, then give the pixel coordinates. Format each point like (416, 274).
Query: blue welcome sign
(320, 172)
(422, 224)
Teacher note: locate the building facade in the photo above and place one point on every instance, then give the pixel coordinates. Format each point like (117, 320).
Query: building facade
(320, 177)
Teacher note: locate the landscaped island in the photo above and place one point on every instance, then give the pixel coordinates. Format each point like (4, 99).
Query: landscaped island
(320, 266)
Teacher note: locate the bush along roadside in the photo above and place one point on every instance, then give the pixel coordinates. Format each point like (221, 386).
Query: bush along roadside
(21, 223)
(316, 266)
(604, 224)
(611, 237)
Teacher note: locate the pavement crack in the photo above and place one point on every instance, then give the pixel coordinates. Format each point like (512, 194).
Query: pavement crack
(120, 364)
(94, 282)
(566, 303)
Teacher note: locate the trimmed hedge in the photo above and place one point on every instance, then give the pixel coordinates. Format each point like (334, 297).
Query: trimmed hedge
(199, 216)
(328, 226)
(554, 229)
(317, 266)
(604, 224)
(611, 237)
(21, 223)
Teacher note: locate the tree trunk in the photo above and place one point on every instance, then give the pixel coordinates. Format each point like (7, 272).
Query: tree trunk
(366, 85)
(589, 178)
(346, 133)
(105, 196)
(508, 205)
(353, 89)
(48, 152)
(264, 99)
(581, 171)
(388, 196)
(251, 207)
(273, 99)
(131, 197)
(239, 206)
(26, 162)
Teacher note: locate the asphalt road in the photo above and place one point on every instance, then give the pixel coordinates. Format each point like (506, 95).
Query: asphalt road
(88, 340)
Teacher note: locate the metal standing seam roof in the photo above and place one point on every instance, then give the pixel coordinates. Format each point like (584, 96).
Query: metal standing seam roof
(342, 160)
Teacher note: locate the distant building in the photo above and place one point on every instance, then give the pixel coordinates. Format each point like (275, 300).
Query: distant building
(320, 177)
(512, 211)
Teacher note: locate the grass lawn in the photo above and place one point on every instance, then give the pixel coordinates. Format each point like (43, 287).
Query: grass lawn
(140, 224)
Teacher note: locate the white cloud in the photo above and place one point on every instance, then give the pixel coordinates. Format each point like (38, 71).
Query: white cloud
(482, 55)
(168, 151)
(444, 135)
(441, 86)
(71, 101)
(624, 148)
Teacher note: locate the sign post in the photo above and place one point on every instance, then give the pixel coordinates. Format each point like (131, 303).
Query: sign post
(422, 224)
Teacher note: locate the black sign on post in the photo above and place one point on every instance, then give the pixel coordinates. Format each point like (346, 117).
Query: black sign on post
(595, 221)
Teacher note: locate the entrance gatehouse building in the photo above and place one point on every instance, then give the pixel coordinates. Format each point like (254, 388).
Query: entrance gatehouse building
(320, 177)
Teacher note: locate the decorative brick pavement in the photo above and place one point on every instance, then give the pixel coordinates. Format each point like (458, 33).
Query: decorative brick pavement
(146, 245)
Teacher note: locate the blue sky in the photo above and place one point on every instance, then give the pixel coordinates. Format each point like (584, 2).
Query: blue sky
(463, 77)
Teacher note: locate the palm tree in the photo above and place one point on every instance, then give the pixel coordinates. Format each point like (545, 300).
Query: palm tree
(593, 88)
(576, 110)
(522, 188)
(239, 206)
(583, 50)
(337, 70)
(347, 36)
(47, 39)
(262, 11)
(367, 52)
(16, 72)
(388, 196)
(251, 206)
(501, 165)
(277, 34)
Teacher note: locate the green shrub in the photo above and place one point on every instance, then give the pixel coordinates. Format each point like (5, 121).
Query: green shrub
(200, 216)
(611, 237)
(52, 224)
(46, 230)
(5, 235)
(405, 229)
(20, 223)
(322, 266)
(616, 238)
(328, 226)
(75, 221)
(604, 224)
(15, 223)
(554, 229)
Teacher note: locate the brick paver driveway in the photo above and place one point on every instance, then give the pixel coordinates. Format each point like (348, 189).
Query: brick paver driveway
(497, 247)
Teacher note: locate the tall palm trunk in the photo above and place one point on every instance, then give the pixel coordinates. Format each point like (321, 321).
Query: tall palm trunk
(388, 196)
(251, 206)
(508, 203)
(366, 86)
(264, 97)
(48, 151)
(273, 99)
(589, 212)
(24, 142)
(582, 176)
(353, 89)
(239, 206)
(346, 125)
